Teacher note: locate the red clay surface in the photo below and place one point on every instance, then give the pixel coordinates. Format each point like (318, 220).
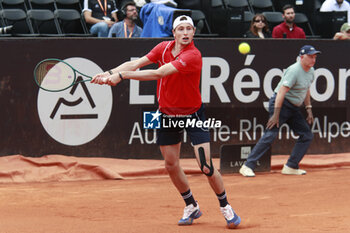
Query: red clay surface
(270, 202)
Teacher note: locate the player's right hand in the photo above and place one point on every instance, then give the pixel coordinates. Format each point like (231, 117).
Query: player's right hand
(100, 78)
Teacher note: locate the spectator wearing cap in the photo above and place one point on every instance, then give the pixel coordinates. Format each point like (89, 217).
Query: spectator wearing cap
(336, 5)
(344, 33)
(284, 107)
(288, 29)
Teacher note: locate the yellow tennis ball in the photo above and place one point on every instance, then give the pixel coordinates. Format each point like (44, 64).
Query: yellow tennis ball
(244, 48)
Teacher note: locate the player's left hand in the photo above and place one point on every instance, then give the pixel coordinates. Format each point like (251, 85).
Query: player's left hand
(113, 80)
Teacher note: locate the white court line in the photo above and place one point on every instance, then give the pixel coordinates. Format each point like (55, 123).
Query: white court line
(310, 214)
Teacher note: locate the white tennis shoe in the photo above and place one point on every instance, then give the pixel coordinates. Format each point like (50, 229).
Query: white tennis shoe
(292, 171)
(232, 219)
(190, 212)
(246, 171)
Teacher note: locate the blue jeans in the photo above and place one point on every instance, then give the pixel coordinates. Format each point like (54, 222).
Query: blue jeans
(101, 29)
(291, 115)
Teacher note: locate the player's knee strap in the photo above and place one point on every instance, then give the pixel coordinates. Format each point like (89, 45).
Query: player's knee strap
(203, 163)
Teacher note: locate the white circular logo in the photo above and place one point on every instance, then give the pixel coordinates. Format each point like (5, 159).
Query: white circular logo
(77, 115)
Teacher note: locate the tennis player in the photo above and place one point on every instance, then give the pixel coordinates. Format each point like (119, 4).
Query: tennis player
(284, 107)
(178, 75)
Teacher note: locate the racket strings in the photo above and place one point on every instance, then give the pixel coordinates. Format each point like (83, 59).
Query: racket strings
(43, 69)
(54, 75)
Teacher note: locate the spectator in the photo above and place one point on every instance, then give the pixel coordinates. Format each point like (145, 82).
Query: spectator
(127, 28)
(344, 33)
(100, 15)
(336, 5)
(288, 29)
(258, 28)
(291, 92)
(157, 20)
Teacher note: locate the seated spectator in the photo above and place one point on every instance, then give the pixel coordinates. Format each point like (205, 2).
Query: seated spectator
(288, 29)
(127, 28)
(336, 5)
(344, 33)
(258, 28)
(100, 15)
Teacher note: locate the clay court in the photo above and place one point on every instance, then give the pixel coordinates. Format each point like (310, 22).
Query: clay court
(69, 194)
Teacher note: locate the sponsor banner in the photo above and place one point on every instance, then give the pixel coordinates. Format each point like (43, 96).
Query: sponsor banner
(121, 121)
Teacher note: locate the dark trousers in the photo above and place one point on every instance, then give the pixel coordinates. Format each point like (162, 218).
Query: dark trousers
(291, 115)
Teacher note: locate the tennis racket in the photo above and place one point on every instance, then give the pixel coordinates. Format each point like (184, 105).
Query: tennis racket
(56, 75)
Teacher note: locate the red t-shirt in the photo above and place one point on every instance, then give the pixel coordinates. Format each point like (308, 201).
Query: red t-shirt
(178, 94)
(283, 28)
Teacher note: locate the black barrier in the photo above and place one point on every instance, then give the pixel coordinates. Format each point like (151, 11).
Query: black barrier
(108, 122)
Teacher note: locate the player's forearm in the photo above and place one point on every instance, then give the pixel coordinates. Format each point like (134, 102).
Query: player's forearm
(129, 66)
(128, 70)
(143, 75)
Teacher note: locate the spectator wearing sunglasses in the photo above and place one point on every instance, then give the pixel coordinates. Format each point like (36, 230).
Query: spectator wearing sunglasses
(258, 28)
